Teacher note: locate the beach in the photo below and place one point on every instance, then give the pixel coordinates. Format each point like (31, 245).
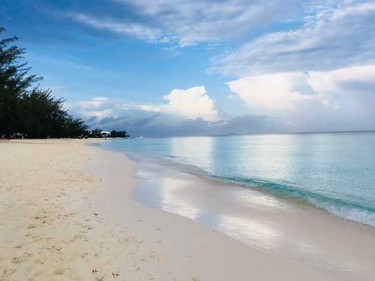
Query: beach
(67, 212)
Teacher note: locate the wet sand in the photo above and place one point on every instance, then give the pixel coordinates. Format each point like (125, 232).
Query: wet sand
(283, 226)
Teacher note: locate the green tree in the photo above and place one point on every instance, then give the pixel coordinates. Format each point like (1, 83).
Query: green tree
(42, 115)
(75, 127)
(119, 134)
(14, 83)
(26, 109)
(96, 133)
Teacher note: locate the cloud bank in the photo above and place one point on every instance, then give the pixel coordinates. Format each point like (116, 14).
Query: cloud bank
(154, 121)
(189, 111)
(340, 99)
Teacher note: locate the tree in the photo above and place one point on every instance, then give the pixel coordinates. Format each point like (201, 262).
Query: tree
(26, 109)
(14, 83)
(96, 133)
(119, 134)
(75, 127)
(42, 115)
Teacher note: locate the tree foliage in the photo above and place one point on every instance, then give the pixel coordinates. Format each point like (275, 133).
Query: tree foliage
(96, 133)
(24, 107)
(118, 134)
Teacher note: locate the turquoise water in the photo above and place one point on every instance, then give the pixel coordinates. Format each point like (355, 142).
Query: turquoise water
(335, 171)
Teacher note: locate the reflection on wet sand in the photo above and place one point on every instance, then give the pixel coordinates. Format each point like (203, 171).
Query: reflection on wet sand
(255, 218)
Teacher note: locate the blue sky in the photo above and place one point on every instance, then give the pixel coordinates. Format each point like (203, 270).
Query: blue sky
(173, 67)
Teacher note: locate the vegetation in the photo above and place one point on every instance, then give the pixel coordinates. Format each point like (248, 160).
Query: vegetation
(25, 109)
(28, 111)
(96, 133)
(119, 134)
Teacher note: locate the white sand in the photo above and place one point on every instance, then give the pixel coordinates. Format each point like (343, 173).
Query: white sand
(67, 213)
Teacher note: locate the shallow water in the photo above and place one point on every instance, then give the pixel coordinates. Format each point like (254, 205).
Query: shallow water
(333, 171)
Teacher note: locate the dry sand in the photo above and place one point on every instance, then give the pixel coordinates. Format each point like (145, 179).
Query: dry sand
(67, 213)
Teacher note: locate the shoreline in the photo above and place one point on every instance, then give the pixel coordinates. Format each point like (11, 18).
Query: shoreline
(339, 262)
(309, 235)
(186, 245)
(75, 217)
(280, 194)
(349, 215)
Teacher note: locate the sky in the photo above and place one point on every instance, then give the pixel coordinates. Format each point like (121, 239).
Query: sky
(179, 68)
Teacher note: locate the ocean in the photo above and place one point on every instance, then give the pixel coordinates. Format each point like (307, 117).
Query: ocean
(333, 171)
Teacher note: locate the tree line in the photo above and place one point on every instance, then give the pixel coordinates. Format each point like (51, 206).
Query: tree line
(99, 133)
(27, 110)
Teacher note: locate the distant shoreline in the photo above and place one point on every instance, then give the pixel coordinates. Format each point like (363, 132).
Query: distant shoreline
(296, 133)
(258, 134)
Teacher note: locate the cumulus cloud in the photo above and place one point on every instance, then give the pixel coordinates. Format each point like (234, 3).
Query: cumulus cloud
(344, 80)
(192, 103)
(271, 92)
(330, 38)
(312, 100)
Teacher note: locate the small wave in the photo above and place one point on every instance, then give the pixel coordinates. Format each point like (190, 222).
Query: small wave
(171, 156)
(344, 209)
(347, 210)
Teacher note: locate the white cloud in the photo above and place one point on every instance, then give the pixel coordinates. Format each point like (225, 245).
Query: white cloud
(122, 27)
(330, 38)
(339, 80)
(192, 22)
(192, 103)
(365, 8)
(347, 94)
(320, 76)
(94, 102)
(342, 99)
(271, 92)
